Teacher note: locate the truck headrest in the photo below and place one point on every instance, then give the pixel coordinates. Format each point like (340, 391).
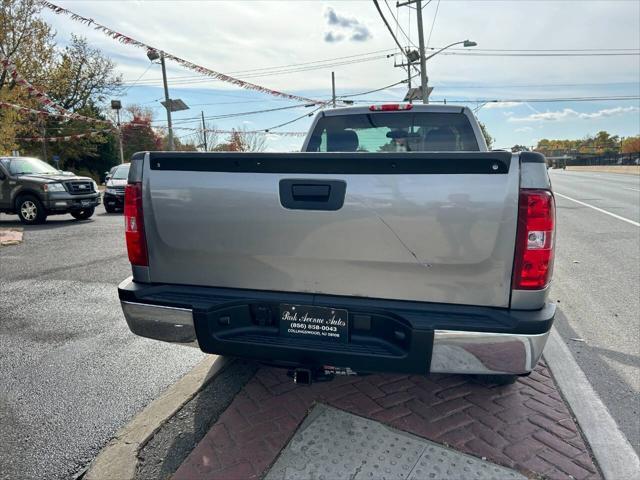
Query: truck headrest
(342, 141)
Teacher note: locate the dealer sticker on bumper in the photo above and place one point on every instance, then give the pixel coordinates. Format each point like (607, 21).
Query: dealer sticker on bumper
(314, 323)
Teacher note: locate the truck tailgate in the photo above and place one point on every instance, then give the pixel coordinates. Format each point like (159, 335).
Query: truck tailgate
(433, 227)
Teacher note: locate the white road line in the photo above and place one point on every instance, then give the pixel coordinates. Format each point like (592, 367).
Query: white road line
(599, 210)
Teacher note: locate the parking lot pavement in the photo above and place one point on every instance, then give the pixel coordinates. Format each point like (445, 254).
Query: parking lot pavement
(71, 373)
(526, 426)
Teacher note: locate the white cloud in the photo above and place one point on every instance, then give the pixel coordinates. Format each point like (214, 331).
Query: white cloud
(524, 129)
(569, 114)
(609, 112)
(502, 105)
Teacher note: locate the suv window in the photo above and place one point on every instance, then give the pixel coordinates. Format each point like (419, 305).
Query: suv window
(121, 173)
(25, 165)
(394, 132)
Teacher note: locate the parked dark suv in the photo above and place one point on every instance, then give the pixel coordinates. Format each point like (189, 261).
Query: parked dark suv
(114, 193)
(33, 189)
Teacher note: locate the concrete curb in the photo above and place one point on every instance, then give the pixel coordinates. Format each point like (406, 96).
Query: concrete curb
(614, 454)
(119, 458)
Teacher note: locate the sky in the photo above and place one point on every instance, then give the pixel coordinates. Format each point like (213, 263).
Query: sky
(246, 39)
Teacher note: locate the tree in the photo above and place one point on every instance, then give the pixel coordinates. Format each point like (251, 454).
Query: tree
(137, 135)
(631, 144)
(242, 140)
(26, 40)
(487, 137)
(207, 137)
(82, 77)
(178, 145)
(519, 148)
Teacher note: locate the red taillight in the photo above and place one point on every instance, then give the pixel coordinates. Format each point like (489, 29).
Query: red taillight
(134, 225)
(391, 107)
(535, 240)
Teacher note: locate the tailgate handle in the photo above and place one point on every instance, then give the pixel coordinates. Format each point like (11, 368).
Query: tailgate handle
(312, 193)
(308, 194)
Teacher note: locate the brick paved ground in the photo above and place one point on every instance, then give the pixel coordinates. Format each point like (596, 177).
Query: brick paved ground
(525, 426)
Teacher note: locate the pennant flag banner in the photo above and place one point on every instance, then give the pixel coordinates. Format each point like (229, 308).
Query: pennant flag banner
(44, 113)
(42, 97)
(66, 138)
(185, 63)
(229, 132)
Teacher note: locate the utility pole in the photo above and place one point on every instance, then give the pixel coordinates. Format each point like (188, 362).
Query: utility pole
(424, 80)
(204, 132)
(167, 101)
(408, 74)
(117, 105)
(44, 141)
(120, 137)
(333, 89)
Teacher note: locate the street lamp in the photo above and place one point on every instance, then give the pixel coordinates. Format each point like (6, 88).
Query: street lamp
(117, 105)
(423, 65)
(169, 104)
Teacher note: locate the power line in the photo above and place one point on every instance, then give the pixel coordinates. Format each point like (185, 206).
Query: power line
(295, 119)
(198, 79)
(375, 2)
(376, 90)
(395, 19)
(137, 80)
(545, 49)
(483, 54)
(540, 85)
(289, 68)
(522, 100)
(433, 24)
(237, 114)
(313, 64)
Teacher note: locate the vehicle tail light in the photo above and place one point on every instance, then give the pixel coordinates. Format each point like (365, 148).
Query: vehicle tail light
(134, 225)
(391, 107)
(535, 240)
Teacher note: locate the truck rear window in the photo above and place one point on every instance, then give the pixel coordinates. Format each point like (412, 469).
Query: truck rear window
(394, 132)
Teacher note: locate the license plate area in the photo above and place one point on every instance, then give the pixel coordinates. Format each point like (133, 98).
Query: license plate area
(314, 323)
(86, 203)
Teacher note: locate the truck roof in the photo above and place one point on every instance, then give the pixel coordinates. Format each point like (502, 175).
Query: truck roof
(417, 107)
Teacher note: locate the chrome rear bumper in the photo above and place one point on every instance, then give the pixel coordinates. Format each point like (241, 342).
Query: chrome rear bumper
(167, 324)
(454, 351)
(485, 353)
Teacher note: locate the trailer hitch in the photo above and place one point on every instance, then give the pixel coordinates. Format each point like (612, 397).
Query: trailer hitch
(306, 376)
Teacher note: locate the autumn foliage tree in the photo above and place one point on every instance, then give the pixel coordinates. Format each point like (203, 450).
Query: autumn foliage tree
(600, 144)
(138, 134)
(77, 77)
(631, 144)
(242, 140)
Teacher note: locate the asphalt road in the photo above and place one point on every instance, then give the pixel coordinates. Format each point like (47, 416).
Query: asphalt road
(597, 282)
(71, 373)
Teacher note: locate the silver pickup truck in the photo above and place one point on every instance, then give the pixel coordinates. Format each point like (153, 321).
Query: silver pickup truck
(395, 242)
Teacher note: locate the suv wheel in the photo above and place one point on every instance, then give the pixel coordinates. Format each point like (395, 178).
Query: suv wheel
(30, 210)
(83, 214)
